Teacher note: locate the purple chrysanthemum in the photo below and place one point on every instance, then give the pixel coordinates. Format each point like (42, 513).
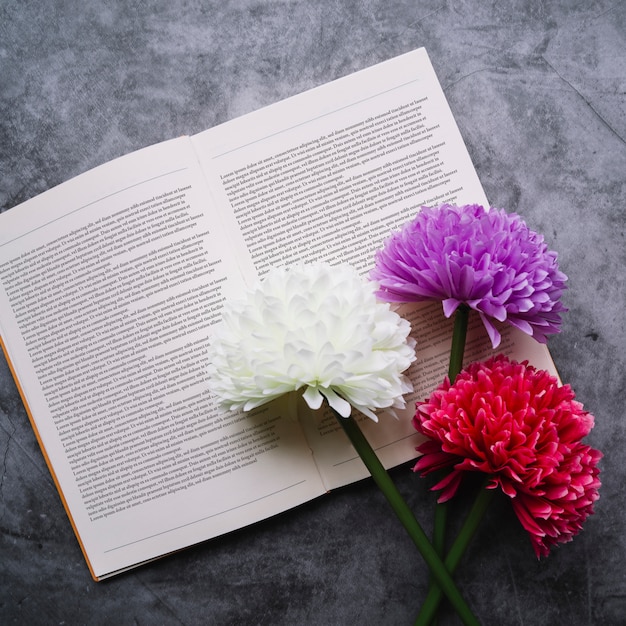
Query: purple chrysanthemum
(487, 259)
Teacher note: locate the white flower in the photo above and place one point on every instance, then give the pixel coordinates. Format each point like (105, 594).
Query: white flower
(317, 327)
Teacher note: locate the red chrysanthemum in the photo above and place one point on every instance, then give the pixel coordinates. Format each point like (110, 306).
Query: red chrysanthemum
(520, 427)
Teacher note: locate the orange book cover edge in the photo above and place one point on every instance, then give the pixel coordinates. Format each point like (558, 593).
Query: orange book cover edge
(46, 457)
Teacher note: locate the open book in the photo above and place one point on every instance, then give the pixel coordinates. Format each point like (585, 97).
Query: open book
(111, 283)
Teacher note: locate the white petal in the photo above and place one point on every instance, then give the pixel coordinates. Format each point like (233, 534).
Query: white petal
(313, 326)
(367, 412)
(313, 397)
(336, 402)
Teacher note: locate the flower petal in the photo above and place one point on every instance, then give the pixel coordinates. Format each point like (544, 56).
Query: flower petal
(522, 429)
(487, 259)
(315, 326)
(313, 397)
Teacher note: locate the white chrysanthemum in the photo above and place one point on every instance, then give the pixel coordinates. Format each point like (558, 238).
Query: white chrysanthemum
(317, 327)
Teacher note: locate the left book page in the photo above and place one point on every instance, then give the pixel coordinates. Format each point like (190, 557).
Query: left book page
(109, 287)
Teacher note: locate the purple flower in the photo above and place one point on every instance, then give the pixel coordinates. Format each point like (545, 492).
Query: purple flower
(487, 259)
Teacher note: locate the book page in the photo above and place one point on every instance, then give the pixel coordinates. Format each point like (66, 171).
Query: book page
(109, 287)
(327, 175)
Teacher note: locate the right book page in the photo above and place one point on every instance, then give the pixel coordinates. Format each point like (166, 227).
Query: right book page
(328, 175)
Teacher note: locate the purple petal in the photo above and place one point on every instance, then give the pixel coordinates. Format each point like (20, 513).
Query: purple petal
(487, 259)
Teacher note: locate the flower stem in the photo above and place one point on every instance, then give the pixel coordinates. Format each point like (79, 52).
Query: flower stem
(439, 543)
(405, 515)
(435, 594)
(457, 349)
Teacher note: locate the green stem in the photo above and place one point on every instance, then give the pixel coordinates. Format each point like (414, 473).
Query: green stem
(439, 540)
(406, 517)
(435, 594)
(457, 349)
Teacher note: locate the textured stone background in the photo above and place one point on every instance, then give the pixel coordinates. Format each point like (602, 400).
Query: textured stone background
(539, 93)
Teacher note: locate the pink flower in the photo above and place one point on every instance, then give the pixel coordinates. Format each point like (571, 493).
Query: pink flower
(520, 427)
